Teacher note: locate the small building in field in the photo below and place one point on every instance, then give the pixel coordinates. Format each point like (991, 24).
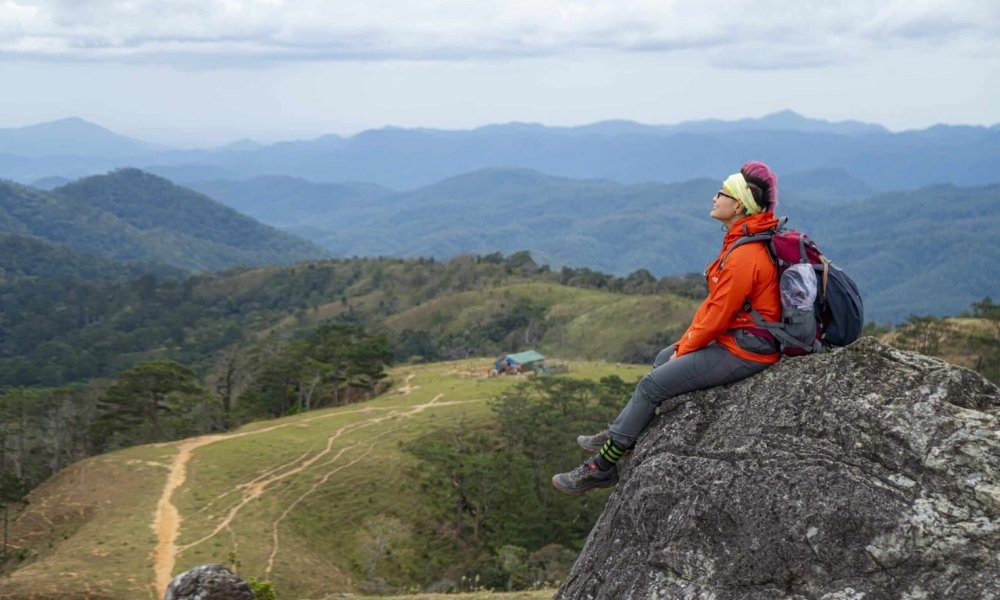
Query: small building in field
(520, 362)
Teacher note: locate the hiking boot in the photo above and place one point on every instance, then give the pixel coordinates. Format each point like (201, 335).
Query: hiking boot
(593, 443)
(585, 477)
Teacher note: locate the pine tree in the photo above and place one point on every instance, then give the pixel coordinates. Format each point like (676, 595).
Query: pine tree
(150, 402)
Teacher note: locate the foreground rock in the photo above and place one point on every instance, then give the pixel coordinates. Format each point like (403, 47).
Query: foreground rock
(865, 473)
(208, 582)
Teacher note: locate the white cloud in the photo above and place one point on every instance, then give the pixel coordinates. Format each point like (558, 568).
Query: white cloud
(216, 70)
(738, 33)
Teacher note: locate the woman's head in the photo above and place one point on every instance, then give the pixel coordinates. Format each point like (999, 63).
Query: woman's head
(751, 191)
(763, 184)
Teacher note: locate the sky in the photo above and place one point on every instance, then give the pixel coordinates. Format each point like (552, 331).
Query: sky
(204, 72)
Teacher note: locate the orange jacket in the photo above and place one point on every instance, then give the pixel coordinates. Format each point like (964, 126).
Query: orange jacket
(748, 273)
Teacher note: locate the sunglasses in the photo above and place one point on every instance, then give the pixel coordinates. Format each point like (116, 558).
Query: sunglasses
(725, 195)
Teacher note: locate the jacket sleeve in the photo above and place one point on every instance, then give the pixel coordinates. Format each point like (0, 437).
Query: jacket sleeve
(716, 313)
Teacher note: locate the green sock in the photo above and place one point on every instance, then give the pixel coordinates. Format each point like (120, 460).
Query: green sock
(609, 456)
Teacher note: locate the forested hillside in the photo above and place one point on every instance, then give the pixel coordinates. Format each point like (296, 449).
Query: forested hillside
(602, 224)
(129, 215)
(59, 330)
(29, 257)
(926, 252)
(288, 202)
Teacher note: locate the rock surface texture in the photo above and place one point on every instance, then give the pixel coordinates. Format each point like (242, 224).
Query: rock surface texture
(208, 582)
(864, 473)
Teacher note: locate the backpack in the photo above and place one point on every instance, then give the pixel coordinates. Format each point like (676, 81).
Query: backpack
(820, 305)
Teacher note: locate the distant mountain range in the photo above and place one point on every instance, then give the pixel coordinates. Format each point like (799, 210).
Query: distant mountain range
(129, 215)
(71, 137)
(621, 151)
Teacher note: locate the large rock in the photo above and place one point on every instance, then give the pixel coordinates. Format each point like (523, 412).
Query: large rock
(865, 473)
(208, 582)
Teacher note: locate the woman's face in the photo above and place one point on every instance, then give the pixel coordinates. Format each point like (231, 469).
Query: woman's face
(725, 208)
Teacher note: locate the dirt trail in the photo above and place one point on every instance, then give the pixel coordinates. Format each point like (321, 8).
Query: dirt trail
(166, 522)
(316, 484)
(406, 389)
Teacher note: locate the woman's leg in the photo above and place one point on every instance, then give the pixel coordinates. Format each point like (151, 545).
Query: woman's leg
(593, 443)
(708, 367)
(711, 366)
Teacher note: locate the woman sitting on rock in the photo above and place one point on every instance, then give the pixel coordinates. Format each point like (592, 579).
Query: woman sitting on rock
(722, 344)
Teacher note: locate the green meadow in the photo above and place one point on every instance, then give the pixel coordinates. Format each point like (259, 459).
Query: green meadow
(577, 322)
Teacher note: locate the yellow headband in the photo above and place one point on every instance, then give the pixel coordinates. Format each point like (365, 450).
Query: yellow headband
(736, 186)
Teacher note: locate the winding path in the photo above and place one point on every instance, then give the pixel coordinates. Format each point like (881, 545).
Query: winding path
(167, 520)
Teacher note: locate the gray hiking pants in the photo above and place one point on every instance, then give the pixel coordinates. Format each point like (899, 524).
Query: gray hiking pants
(671, 377)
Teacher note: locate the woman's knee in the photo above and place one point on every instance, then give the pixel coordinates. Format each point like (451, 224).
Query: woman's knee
(649, 389)
(664, 356)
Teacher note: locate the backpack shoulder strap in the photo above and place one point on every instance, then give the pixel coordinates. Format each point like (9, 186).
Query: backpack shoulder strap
(763, 236)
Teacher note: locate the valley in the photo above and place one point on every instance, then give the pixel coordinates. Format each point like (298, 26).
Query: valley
(280, 498)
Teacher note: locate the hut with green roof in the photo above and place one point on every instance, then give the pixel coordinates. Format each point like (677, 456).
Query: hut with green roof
(520, 361)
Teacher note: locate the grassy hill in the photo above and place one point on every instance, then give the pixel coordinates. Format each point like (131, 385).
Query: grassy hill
(581, 323)
(286, 499)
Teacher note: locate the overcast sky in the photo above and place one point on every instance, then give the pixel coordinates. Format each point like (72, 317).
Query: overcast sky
(199, 72)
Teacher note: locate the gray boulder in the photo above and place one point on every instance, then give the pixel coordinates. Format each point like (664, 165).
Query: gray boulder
(208, 582)
(864, 473)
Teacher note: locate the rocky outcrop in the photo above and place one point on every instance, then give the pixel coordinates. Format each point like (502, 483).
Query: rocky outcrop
(864, 473)
(208, 582)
